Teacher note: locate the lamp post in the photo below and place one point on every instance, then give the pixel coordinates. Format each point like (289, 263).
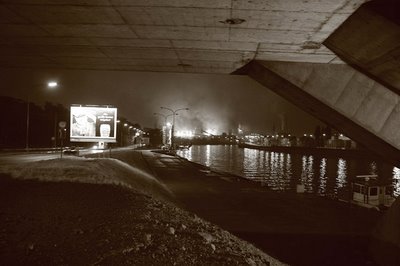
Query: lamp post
(164, 125)
(122, 133)
(173, 113)
(50, 85)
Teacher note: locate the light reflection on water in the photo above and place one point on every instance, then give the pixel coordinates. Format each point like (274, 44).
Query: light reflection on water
(396, 181)
(322, 177)
(341, 173)
(282, 171)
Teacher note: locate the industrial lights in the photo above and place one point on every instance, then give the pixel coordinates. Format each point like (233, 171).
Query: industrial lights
(52, 84)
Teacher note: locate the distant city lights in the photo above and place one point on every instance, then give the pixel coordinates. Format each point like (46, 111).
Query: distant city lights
(210, 132)
(184, 133)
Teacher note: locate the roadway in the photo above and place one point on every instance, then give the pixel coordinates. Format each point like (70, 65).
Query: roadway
(18, 157)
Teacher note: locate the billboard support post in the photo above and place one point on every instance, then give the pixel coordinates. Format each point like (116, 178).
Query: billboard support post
(61, 143)
(61, 130)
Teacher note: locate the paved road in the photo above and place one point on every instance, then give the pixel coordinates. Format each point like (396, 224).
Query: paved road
(23, 157)
(33, 156)
(26, 157)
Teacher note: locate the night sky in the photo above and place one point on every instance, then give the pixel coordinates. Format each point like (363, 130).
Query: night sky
(218, 103)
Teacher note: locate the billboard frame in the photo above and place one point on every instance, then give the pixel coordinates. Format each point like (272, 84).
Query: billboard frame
(93, 123)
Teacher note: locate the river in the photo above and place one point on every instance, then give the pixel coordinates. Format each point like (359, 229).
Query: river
(320, 175)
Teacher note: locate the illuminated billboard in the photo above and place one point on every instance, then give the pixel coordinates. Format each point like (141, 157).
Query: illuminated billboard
(93, 123)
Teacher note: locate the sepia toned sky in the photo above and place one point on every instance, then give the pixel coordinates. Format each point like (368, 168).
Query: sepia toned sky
(218, 103)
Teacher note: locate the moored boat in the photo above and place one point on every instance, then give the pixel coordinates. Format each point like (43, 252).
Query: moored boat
(371, 192)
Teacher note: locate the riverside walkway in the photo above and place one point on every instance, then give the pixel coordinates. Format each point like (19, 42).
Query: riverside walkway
(298, 229)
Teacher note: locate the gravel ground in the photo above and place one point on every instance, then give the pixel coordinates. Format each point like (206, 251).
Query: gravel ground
(80, 220)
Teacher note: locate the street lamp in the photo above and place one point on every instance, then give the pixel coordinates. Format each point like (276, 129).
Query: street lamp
(165, 126)
(50, 85)
(122, 133)
(164, 116)
(174, 113)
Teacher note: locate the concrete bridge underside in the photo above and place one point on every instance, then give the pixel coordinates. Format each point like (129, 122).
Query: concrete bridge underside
(296, 48)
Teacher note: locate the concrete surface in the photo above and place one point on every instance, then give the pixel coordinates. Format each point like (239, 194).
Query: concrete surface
(195, 36)
(370, 41)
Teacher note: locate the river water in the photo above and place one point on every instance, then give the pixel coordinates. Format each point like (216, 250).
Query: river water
(283, 171)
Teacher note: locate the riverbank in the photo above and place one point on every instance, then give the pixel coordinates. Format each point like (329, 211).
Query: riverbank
(298, 229)
(100, 211)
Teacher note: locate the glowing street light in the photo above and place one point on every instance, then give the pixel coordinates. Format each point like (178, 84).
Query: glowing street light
(165, 126)
(50, 85)
(174, 113)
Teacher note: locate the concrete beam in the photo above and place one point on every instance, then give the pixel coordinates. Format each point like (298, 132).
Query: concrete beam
(369, 40)
(319, 108)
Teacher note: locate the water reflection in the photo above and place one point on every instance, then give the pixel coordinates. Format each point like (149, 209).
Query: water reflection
(322, 177)
(308, 173)
(208, 155)
(341, 173)
(281, 171)
(396, 181)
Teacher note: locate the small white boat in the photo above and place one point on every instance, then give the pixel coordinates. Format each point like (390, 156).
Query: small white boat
(371, 192)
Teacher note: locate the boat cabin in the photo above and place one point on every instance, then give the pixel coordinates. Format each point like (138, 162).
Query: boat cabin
(369, 191)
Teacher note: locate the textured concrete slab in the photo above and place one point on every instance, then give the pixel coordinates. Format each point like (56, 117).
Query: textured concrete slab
(356, 91)
(223, 31)
(143, 53)
(392, 125)
(88, 30)
(175, 3)
(216, 45)
(68, 60)
(370, 40)
(376, 108)
(30, 61)
(71, 15)
(332, 78)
